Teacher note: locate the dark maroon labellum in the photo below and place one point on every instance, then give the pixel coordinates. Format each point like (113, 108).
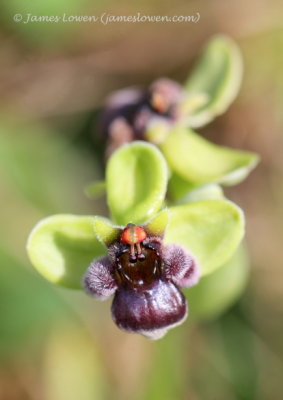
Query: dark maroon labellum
(144, 275)
(150, 311)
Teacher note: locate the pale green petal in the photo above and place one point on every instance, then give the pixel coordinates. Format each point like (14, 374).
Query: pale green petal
(158, 224)
(105, 231)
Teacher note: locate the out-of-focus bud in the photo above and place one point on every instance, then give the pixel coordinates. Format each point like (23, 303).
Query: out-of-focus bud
(129, 113)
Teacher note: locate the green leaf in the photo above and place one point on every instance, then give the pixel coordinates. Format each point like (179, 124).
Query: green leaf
(158, 224)
(136, 181)
(210, 229)
(199, 161)
(216, 292)
(216, 79)
(61, 247)
(105, 231)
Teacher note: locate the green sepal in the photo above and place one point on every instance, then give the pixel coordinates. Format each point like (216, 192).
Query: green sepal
(210, 229)
(61, 248)
(199, 161)
(216, 80)
(136, 181)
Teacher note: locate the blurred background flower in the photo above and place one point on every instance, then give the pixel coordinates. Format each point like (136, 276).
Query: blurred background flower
(57, 343)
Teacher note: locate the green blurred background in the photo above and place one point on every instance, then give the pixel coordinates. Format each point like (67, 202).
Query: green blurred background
(58, 344)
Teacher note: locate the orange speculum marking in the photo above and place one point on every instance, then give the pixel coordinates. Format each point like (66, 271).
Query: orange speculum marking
(133, 235)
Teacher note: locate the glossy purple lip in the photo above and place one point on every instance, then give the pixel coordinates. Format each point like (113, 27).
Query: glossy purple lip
(149, 311)
(145, 281)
